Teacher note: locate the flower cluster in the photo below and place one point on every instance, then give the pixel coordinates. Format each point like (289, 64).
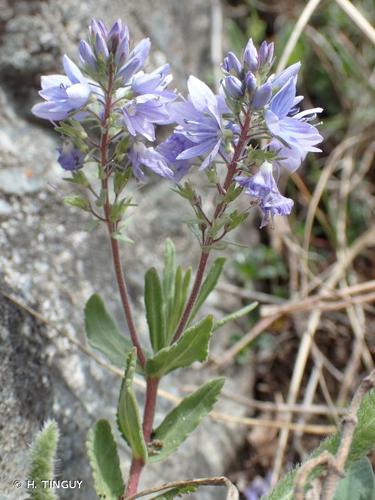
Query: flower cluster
(252, 104)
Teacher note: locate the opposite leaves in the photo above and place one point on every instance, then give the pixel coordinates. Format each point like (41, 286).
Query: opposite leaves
(105, 464)
(128, 416)
(185, 418)
(192, 346)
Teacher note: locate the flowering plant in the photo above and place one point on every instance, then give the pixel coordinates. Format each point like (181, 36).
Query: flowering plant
(107, 109)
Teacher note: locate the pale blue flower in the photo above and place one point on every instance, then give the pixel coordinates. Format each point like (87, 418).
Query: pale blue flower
(70, 158)
(171, 148)
(293, 136)
(139, 155)
(200, 120)
(263, 188)
(154, 83)
(63, 94)
(142, 113)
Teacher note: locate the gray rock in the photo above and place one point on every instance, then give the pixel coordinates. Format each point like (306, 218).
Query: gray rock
(51, 263)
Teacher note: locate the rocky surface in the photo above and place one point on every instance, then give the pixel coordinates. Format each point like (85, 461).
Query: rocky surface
(51, 263)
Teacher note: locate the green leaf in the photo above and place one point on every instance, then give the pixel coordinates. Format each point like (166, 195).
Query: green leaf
(103, 334)
(155, 310)
(169, 276)
(176, 492)
(121, 237)
(128, 415)
(104, 461)
(78, 202)
(185, 418)
(208, 285)
(42, 457)
(181, 289)
(192, 346)
(234, 316)
(363, 442)
(358, 483)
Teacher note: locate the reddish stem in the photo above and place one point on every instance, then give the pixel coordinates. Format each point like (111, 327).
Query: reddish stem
(125, 298)
(148, 419)
(220, 209)
(134, 477)
(111, 226)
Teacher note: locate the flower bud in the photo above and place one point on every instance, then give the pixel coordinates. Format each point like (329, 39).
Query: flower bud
(250, 56)
(262, 95)
(271, 47)
(101, 47)
(233, 87)
(231, 64)
(250, 81)
(263, 53)
(86, 54)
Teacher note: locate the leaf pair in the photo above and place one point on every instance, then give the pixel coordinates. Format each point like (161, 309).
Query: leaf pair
(165, 299)
(176, 426)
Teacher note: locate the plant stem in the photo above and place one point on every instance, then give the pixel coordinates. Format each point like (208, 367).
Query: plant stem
(149, 411)
(125, 297)
(220, 209)
(148, 419)
(134, 476)
(193, 295)
(115, 249)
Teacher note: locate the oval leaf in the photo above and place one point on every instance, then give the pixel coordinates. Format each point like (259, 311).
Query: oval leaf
(105, 464)
(185, 418)
(103, 334)
(192, 346)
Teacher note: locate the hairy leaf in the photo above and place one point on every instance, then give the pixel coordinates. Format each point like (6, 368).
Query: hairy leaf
(192, 346)
(128, 416)
(103, 334)
(42, 457)
(104, 461)
(185, 418)
(363, 442)
(358, 483)
(234, 316)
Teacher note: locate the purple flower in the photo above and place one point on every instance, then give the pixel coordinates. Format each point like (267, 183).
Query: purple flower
(262, 96)
(231, 64)
(250, 56)
(104, 42)
(233, 87)
(136, 60)
(64, 94)
(265, 53)
(154, 83)
(293, 136)
(258, 487)
(263, 188)
(280, 80)
(171, 148)
(140, 155)
(260, 184)
(142, 113)
(69, 157)
(199, 120)
(275, 204)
